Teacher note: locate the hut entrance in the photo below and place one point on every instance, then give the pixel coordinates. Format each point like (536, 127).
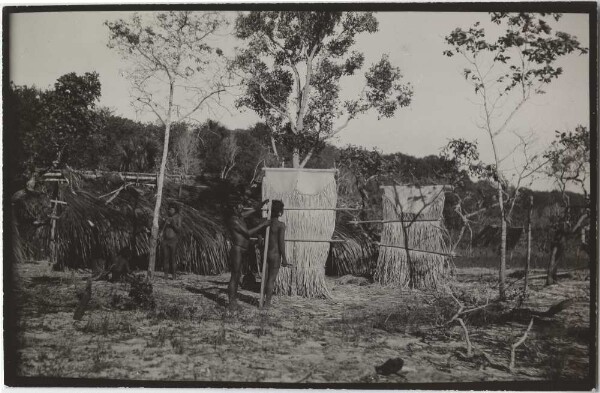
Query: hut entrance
(310, 198)
(412, 251)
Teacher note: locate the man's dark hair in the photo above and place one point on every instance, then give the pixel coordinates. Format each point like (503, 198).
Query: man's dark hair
(276, 208)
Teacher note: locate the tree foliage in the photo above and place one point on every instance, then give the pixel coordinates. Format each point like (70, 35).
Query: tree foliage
(292, 67)
(171, 49)
(54, 125)
(569, 159)
(527, 50)
(521, 60)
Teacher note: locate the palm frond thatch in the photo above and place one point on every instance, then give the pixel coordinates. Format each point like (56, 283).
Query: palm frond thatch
(357, 255)
(97, 222)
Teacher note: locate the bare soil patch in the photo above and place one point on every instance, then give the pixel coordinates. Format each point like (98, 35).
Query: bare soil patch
(190, 336)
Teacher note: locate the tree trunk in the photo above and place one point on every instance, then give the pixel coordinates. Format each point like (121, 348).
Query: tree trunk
(159, 189)
(308, 156)
(274, 147)
(528, 262)
(557, 252)
(295, 158)
(502, 275)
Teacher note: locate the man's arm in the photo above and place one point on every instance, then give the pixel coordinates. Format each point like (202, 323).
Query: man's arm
(257, 209)
(238, 228)
(266, 223)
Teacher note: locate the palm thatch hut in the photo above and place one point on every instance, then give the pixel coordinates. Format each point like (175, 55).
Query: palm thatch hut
(310, 198)
(413, 252)
(99, 216)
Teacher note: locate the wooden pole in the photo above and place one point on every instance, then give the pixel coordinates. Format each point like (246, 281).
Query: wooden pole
(264, 268)
(311, 240)
(412, 249)
(528, 262)
(387, 221)
(317, 208)
(53, 218)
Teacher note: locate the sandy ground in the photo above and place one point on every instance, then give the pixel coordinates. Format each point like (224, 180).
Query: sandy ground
(191, 337)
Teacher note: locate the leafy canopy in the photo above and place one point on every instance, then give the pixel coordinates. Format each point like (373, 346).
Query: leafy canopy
(293, 64)
(170, 49)
(569, 158)
(55, 124)
(527, 48)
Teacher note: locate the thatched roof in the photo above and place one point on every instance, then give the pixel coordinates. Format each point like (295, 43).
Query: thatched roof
(105, 214)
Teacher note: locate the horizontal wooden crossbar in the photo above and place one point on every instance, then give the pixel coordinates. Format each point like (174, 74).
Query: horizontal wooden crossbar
(299, 170)
(388, 221)
(444, 186)
(412, 249)
(311, 241)
(316, 240)
(312, 208)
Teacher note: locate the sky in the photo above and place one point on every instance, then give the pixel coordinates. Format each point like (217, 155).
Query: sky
(44, 46)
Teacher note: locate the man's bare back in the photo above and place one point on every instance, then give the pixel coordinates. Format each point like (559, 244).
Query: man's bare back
(276, 251)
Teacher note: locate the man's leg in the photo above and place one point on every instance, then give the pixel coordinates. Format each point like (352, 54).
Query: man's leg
(172, 261)
(235, 265)
(165, 257)
(272, 271)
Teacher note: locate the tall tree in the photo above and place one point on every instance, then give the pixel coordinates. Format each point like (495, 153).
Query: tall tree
(292, 66)
(506, 72)
(53, 124)
(175, 72)
(569, 166)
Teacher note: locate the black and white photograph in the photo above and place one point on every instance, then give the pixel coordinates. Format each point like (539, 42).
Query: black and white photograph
(301, 195)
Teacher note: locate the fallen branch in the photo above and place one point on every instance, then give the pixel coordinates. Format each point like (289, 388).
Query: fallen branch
(493, 363)
(304, 378)
(516, 345)
(461, 307)
(469, 346)
(115, 193)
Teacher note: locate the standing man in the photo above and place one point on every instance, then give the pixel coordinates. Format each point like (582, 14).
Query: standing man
(170, 237)
(240, 239)
(276, 253)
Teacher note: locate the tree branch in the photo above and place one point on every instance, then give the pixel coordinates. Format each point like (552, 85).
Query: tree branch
(516, 345)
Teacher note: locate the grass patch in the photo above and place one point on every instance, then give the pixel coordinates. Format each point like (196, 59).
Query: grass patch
(100, 358)
(108, 324)
(177, 312)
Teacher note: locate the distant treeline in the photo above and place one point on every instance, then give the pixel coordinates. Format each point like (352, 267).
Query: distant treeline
(62, 127)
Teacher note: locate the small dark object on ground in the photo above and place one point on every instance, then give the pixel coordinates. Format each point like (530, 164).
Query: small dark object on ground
(250, 283)
(517, 274)
(141, 292)
(98, 266)
(84, 299)
(350, 279)
(391, 366)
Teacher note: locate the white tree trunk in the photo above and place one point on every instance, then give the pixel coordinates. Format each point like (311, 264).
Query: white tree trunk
(502, 276)
(159, 188)
(295, 158)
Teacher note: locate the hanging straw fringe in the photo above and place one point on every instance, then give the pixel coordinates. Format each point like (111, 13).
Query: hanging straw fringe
(307, 275)
(423, 227)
